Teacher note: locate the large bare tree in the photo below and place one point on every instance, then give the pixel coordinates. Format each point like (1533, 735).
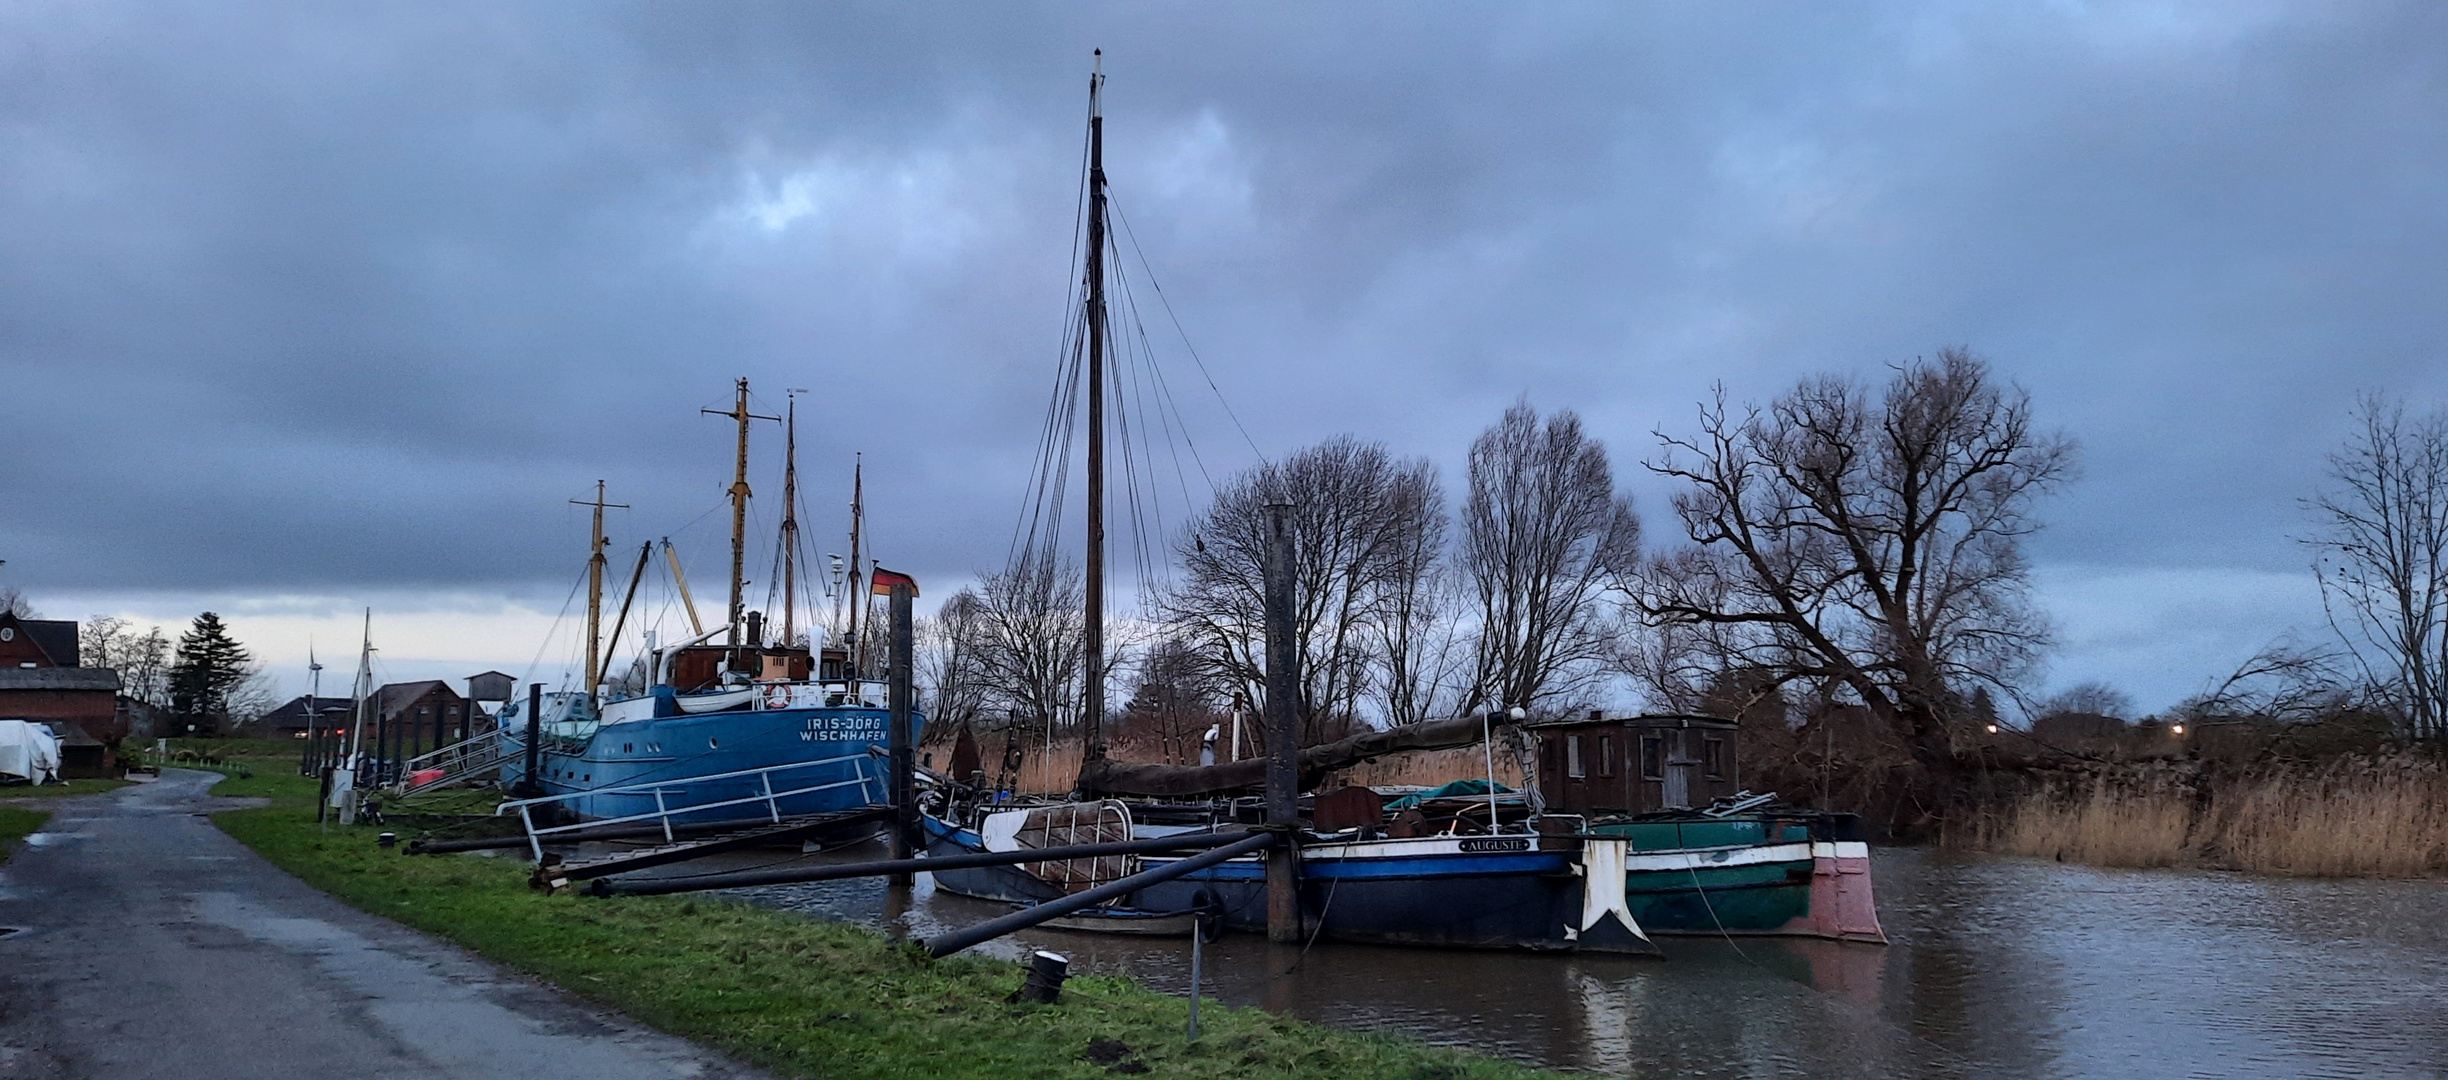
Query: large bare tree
(1866, 544)
(2381, 551)
(1030, 638)
(1543, 535)
(141, 659)
(948, 666)
(1359, 519)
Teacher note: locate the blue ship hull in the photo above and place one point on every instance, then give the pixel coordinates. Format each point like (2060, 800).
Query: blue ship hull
(1506, 892)
(816, 760)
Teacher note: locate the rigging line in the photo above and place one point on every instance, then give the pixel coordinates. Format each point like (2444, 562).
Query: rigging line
(537, 661)
(1050, 471)
(1066, 361)
(1151, 383)
(1174, 425)
(1140, 465)
(1176, 420)
(1177, 327)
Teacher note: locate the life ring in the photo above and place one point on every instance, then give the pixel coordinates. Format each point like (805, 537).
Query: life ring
(777, 696)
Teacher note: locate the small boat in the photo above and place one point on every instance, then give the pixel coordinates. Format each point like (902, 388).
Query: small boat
(1737, 864)
(1457, 885)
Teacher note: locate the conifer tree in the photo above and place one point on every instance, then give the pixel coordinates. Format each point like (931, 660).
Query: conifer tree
(210, 664)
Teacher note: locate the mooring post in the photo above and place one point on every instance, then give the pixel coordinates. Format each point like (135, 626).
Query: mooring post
(1283, 688)
(899, 707)
(530, 786)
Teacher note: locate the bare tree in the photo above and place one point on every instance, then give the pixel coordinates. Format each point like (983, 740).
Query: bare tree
(141, 659)
(1031, 634)
(1543, 535)
(1358, 516)
(13, 602)
(1172, 699)
(2381, 553)
(948, 662)
(2088, 699)
(1421, 650)
(251, 699)
(1866, 546)
(2286, 681)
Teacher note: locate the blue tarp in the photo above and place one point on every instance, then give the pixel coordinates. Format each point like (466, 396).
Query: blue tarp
(1457, 788)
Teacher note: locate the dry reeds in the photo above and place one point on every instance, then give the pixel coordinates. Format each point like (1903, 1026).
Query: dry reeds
(2104, 828)
(1430, 768)
(2348, 817)
(1052, 770)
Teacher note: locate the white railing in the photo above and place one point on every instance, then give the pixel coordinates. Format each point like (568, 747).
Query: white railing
(663, 812)
(470, 755)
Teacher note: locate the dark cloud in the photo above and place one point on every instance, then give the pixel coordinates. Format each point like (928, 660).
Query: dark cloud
(330, 299)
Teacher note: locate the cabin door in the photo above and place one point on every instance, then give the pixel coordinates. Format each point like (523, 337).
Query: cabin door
(1679, 772)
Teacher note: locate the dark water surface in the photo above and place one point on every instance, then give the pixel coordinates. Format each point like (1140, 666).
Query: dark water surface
(2000, 968)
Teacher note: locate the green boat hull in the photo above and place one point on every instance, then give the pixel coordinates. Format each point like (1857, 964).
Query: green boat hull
(1802, 875)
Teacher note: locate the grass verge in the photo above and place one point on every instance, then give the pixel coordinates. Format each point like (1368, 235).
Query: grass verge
(16, 823)
(61, 789)
(799, 996)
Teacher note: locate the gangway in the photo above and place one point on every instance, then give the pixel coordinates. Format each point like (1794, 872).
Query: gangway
(461, 763)
(551, 875)
(665, 815)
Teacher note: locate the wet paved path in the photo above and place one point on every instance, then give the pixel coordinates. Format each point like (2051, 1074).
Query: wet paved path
(150, 944)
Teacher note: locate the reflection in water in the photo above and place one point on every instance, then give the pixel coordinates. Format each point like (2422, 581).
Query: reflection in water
(2000, 968)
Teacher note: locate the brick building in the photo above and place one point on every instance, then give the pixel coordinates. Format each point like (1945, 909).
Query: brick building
(41, 681)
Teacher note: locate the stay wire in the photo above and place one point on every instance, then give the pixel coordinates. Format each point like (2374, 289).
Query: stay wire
(1185, 334)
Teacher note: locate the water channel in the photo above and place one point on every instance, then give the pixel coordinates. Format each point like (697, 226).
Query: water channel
(1999, 968)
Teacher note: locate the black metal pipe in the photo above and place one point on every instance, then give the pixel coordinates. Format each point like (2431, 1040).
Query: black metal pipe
(878, 868)
(947, 944)
(530, 785)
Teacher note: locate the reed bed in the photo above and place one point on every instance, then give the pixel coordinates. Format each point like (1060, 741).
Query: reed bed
(2355, 816)
(1429, 768)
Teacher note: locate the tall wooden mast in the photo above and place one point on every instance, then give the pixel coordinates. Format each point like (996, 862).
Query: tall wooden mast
(856, 594)
(1092, 696)
(595, 572)
(790, 516)
(739, 515)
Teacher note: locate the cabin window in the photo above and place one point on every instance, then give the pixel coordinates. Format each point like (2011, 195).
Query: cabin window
(1606, 755)
(1572, 757)
(1653, 757)
(1712, 756)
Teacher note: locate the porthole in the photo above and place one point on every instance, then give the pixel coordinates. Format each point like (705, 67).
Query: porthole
(8, 633)
(711, 744)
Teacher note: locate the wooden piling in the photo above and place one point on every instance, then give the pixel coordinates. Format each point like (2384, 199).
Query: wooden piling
(1283, 690)
(899, 707)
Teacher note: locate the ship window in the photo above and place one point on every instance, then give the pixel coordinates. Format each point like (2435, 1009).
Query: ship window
(1712, 753)
(1606, 755)
(1653, 757)
(1572, 757)
(625, 748)
(711, 744)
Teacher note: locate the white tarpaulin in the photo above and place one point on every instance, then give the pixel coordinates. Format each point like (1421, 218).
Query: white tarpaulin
(28, 752)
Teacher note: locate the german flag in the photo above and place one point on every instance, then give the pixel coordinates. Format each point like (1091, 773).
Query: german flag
(881, 582)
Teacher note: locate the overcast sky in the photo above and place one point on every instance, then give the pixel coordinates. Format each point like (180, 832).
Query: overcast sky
(310, 308)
